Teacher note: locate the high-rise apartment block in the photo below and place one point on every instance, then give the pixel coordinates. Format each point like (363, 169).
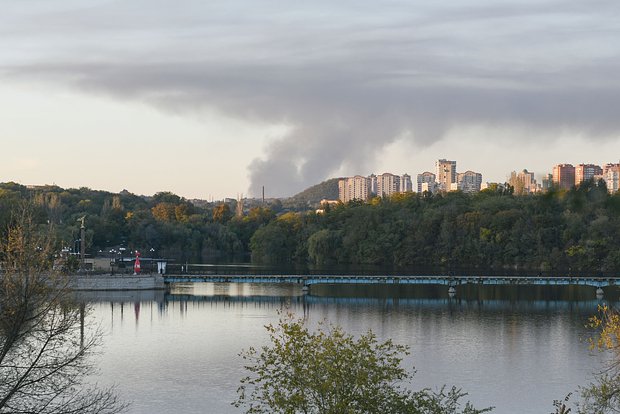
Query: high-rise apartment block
(373, 183)
(426, 182)
(469, 181)
(354, 188)
(564, 176)
(547, 182)
(406, 186)
(523, 182)
(611, 175)
(446, 174)
(387, 184)
(585, 172)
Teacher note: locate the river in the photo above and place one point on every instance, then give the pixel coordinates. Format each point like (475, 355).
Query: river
(515, 348)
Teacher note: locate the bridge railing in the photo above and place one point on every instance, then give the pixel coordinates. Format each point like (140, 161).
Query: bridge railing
(247, 269)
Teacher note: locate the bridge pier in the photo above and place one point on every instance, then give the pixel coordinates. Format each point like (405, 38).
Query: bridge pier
(599, 293)
(305, 289)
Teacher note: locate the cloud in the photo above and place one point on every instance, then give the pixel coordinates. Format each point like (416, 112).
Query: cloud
(348, 81)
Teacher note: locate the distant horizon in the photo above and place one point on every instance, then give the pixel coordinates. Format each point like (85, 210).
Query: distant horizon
(538, 177)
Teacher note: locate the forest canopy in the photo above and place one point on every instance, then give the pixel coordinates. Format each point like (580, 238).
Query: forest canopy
(573, 231)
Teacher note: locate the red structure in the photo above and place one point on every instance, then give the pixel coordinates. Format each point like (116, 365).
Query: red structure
(136, 265)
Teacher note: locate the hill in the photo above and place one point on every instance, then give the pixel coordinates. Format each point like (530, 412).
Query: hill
(312, 196)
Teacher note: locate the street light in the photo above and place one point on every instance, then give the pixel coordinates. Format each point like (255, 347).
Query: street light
(152, 250)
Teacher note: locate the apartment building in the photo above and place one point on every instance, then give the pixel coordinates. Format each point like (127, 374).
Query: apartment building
(354, 188)
(388, 184)
(445, 174)
(523, 182)
(564, 176)
(585, 172)
(406, 186)
(426, 182)
(611, 175)
(469, 182)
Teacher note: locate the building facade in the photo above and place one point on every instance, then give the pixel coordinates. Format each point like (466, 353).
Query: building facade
(373, 184)
(426, 182)
(387, 184)
(469, 181)
(585, 172)
(354, 188)
(523, 182)
(564, 176)
(406, 186)
(611, 175)
(445, 174)
(547, 182)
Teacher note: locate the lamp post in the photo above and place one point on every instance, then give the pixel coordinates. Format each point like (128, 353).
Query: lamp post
(112, 259)
(152, 250)
(120, 255)
(82, 242)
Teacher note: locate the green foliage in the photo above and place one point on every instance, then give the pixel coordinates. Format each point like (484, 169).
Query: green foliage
(558, 231)
(312, 196)
(170, 225)
(324, 245)
(331, 372)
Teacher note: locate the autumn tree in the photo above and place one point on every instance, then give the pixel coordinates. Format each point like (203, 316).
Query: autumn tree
(603, 395)
(44, 348)
(222, 213)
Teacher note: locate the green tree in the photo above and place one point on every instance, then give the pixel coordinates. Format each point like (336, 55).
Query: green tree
(323, 246)
(331, 372)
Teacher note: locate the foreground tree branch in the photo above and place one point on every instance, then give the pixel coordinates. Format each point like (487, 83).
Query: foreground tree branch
(43, 356)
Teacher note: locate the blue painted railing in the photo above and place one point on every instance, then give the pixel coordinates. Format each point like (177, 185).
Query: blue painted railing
(308, 280)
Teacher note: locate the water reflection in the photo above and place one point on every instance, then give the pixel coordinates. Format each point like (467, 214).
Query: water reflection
(177, 351)
(573, 299)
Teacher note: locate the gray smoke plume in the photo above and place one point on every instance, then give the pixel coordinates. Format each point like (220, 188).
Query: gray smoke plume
(348, 78)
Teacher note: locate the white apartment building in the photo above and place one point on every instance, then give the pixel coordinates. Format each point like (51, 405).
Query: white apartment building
(426, 182)
(387, 184)
(354, 188)
(469, 182)
(611, 175)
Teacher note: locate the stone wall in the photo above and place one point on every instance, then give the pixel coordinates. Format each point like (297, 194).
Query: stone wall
(117, 282)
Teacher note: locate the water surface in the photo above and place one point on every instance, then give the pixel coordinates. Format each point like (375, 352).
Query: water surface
(515, 348)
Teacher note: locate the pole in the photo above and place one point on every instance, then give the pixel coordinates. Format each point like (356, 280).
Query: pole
(82, 242)
(82, 246)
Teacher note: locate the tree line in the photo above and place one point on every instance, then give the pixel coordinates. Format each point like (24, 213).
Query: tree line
(558, 231)
(163, 225)
(561, 231)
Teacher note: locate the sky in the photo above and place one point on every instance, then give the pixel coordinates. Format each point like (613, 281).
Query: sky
(217, 99)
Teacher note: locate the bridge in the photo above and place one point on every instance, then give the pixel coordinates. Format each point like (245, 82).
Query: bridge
(451, 281)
